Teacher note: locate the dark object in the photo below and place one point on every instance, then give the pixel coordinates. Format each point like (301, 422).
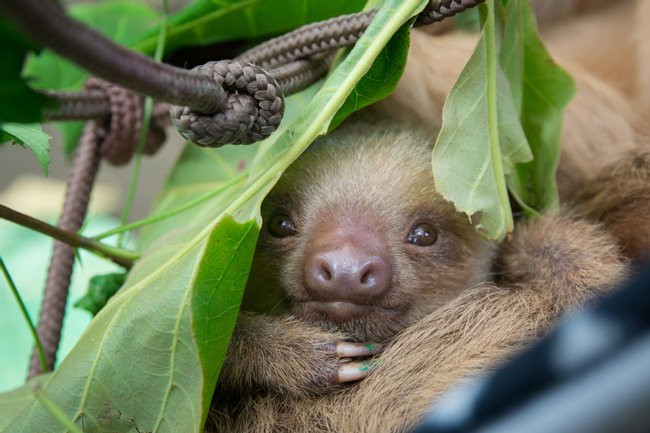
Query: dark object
(591, 375)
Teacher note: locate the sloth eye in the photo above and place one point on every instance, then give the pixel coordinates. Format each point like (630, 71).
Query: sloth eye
(422, 235)
(281, 226)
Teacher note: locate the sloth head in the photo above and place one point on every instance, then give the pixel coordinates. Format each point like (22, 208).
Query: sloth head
(355, 237)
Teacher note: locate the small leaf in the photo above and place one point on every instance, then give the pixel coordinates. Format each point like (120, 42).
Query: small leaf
(32, 137)
(542, 90)
(100, 289)
(481, 139)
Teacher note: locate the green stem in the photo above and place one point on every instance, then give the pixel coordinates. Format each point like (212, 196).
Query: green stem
(55, 411)
(146, 121)
(30, 324)
(170, 213)
(493, 118)
(120, 256)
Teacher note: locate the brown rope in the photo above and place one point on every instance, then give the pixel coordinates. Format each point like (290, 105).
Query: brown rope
(338, 32)
(253, 111)
(438, 10)
(115, 138)
(80, 182)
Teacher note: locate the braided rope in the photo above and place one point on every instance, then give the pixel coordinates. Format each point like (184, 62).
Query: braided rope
(254, 107)
(337, 32)
(120, 130)
(438, 10)
(115, 138)
(80, 183)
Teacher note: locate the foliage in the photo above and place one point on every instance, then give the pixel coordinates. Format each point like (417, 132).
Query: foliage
(19, 101)
(100, 289)
(498, 115)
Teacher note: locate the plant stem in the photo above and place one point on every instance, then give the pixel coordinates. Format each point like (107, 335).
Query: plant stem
(23, 309)
(120, 256)
(493, 119)
(146, 120)
(54, 410)
(171, 212)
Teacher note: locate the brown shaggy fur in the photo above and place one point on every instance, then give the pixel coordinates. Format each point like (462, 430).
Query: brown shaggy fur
(454, 317)
(453, 309)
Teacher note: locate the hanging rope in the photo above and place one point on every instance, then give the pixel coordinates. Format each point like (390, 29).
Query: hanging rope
(115, 138)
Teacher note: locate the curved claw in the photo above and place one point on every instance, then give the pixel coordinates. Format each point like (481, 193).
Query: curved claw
(353, 371)
(356, 350)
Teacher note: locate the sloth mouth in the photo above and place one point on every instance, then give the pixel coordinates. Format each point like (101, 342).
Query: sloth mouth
(335, 311)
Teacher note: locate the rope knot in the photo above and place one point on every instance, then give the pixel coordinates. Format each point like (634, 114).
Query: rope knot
(120, 132)
(253, 109)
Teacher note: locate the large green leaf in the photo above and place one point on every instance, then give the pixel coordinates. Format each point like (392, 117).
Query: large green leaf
(149, 360)
(481, 138)
(381, 79)
(19, 399)
(210, 21)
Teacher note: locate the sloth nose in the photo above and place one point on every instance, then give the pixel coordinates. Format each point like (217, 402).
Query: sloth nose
(347, 274)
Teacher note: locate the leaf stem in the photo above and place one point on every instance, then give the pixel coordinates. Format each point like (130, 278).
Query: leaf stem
(118, 255)
(30, 324)
(171, 212)
(55, 411)
(493, 116)
(146, 121)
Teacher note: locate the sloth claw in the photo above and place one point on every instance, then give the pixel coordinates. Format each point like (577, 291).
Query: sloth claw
(353, 371)
(355, 350)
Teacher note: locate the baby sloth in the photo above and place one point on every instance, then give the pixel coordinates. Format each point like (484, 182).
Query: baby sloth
(361, 267)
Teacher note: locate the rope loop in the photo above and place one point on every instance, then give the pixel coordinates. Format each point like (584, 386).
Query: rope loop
(120, 131)
(254, 107)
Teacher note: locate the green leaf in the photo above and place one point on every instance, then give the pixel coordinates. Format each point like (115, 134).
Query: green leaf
(542, 90)
(381, 79)
(30, 136)
(208, 21)
(100, 289)
(18, 101)
(481, 139)
(149, 360)
(17, 400)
